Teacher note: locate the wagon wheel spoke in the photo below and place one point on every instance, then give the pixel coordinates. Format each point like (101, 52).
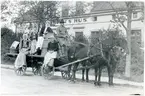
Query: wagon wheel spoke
(20, 71)
(64, 75)
(46, 72)
(39, 71)
(35, 70)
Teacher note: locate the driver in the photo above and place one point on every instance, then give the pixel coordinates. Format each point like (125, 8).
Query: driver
(62, 36)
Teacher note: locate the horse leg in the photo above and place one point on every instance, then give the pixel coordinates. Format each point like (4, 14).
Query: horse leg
(83, 71)
(74, 72)
(95, 82)
(87, 75)
(87, 71)
(111, 78)
(69, 70)
(99, 77)
(110, 75)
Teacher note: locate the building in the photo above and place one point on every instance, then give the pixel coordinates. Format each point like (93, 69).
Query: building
(99, 17)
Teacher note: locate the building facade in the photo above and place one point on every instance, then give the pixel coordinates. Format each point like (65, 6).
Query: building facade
(99, 17)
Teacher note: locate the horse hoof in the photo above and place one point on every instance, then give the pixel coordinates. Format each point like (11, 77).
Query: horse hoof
(87, 80)
(99, 84)
(83, 80)
(95, 83)
(73, 81)
(110, 85)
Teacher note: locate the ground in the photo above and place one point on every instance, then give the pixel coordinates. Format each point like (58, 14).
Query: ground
(11, 84)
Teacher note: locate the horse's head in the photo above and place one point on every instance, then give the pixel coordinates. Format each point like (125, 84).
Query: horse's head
(119, 48)
(116, 46)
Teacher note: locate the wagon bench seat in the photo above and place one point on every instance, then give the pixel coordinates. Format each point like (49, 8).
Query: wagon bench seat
(15, 54)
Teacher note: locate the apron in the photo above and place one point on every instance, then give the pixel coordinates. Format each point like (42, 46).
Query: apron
(33, 46)
(49, 58)
(39, 42)
(21, 58)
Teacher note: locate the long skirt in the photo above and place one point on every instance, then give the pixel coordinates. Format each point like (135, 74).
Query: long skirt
(33, 46)
(49, 58)
(39, 42)
(44, 46)
(21, 58)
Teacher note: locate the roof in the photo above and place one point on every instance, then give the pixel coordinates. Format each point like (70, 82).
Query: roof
(99, 7)
(104, 5)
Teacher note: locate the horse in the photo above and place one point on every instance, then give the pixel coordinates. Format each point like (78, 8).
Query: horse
(111, 54)
(72, 56)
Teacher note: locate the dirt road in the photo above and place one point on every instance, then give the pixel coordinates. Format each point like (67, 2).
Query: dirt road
(29, 84)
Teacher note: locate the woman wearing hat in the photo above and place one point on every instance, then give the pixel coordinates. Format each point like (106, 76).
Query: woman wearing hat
(50, 49)
(62, 36)
(48, 35)
(24, 50)
(39, 41)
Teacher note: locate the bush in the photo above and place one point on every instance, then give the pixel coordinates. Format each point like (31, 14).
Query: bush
(7, 38)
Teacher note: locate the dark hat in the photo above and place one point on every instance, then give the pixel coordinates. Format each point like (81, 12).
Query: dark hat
(62, 21)
(49, 30)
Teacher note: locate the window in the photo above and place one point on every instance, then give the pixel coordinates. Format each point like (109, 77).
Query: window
(136, 37)
(79, 36)
(135, 15)
(136, 33)
(95, 36)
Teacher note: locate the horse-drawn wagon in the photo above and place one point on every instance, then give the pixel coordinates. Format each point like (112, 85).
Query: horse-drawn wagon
(35, 62)
(77, 53)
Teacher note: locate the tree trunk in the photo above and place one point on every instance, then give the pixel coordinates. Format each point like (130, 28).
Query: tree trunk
(128, 57)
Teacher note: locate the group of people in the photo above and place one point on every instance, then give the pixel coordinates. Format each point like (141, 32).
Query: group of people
(47, 44)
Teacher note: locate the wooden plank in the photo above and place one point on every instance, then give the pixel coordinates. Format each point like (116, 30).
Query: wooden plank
(39, 56)
(15, 54)
(77, 61)
(11, 54)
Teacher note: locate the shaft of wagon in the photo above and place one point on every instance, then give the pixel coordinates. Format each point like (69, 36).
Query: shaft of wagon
(80, 60)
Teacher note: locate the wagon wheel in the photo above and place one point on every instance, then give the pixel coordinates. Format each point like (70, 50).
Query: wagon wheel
(36, 70)
(64, 75)
(20, 71)
(47, 72)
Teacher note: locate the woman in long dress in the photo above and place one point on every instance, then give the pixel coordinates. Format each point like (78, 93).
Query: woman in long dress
(33, 43)
(52, 49)
(48, 34)
(24, 50)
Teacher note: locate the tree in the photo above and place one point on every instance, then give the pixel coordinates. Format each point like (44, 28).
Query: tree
(80, 8)
(77, 9)
(8, 11)
(41, 10)
(121, 17)
(38, 11)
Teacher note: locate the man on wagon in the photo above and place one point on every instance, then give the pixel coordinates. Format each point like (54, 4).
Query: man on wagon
(62, 36)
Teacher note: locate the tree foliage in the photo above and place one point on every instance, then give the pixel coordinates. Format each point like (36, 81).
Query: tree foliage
(40, 10)
(7, 38)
